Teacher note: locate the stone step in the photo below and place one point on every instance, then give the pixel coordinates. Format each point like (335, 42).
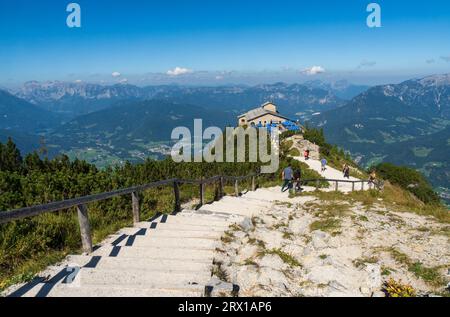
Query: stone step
(68, 290)
(203, 234)
(142, 277)
(198, 216)
(169, 242)
(175, 253)
(232, 218)
(173, 231)
(232, 209)
(243, 200)
(188, 219)
(137, 263)
(269, 196)
(182, 227)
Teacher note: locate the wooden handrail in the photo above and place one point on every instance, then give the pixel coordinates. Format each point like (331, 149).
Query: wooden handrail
(81, 202)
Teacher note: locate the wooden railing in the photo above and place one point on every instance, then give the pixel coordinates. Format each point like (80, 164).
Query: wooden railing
(81, 203)
(370, 184)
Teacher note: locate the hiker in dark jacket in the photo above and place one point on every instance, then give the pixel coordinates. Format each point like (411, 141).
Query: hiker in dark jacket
(297, 179)
(346, 171)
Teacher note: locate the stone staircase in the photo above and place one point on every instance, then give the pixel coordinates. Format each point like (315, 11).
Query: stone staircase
(169, 255)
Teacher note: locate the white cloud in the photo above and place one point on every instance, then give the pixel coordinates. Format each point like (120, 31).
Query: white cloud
(446, 58)
(314, 70)
(116, 74)
(219, 77)
(177, 71)
(123, 81)
(78, 81)
(430, 61)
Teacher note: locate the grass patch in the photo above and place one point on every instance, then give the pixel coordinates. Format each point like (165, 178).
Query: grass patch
(363, 218)
(430, 275)
(285, 257)
(330, 225)
(294, 152)
(251, 262)
(257, 242)
(385, 271)
(358, 263)
(279, 225)
(392, 197)
(219, 271)
(227, 237)
(283, 203)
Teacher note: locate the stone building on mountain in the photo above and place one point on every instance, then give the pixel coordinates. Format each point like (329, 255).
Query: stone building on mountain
(262, 116)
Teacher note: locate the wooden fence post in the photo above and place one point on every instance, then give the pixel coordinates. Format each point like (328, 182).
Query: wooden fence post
(136, 207)
(362, 185)
(176, 191)
(85, 228)
(202, 193)
(353, 186)
(236, 188)
(221, 189)
(337, 186)
(253, 183)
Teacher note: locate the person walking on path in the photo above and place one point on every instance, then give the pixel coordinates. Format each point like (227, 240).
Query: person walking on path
(323, 163)
(372, 178)
(306, 154)
(346, 171)
(287, 176)
(297, 179)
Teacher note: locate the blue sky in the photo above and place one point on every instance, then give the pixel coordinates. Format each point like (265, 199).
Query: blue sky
(219, 42)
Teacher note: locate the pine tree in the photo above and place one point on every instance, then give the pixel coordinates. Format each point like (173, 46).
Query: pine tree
(10, 158)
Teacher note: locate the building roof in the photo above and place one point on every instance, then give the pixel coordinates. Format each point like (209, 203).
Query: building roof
(259, 112)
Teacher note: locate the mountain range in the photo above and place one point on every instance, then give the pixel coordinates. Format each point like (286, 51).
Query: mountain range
(19, 115)
(406, 123)
(73, 99)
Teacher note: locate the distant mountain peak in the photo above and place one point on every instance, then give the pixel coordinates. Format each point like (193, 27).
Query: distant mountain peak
(436, 80)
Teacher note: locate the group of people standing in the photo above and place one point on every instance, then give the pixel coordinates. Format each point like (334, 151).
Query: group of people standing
(345, 169)
(290, 177)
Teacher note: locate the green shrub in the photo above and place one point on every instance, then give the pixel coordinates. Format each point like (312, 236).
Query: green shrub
(410, 180)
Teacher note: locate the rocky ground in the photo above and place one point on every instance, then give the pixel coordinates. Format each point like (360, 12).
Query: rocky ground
(310, 247)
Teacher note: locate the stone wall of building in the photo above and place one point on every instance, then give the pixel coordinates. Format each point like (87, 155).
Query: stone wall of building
(301, 144)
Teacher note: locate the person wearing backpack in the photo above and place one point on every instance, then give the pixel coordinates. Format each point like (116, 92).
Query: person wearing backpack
(287, 176)
(346, 171)
(297, 179)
